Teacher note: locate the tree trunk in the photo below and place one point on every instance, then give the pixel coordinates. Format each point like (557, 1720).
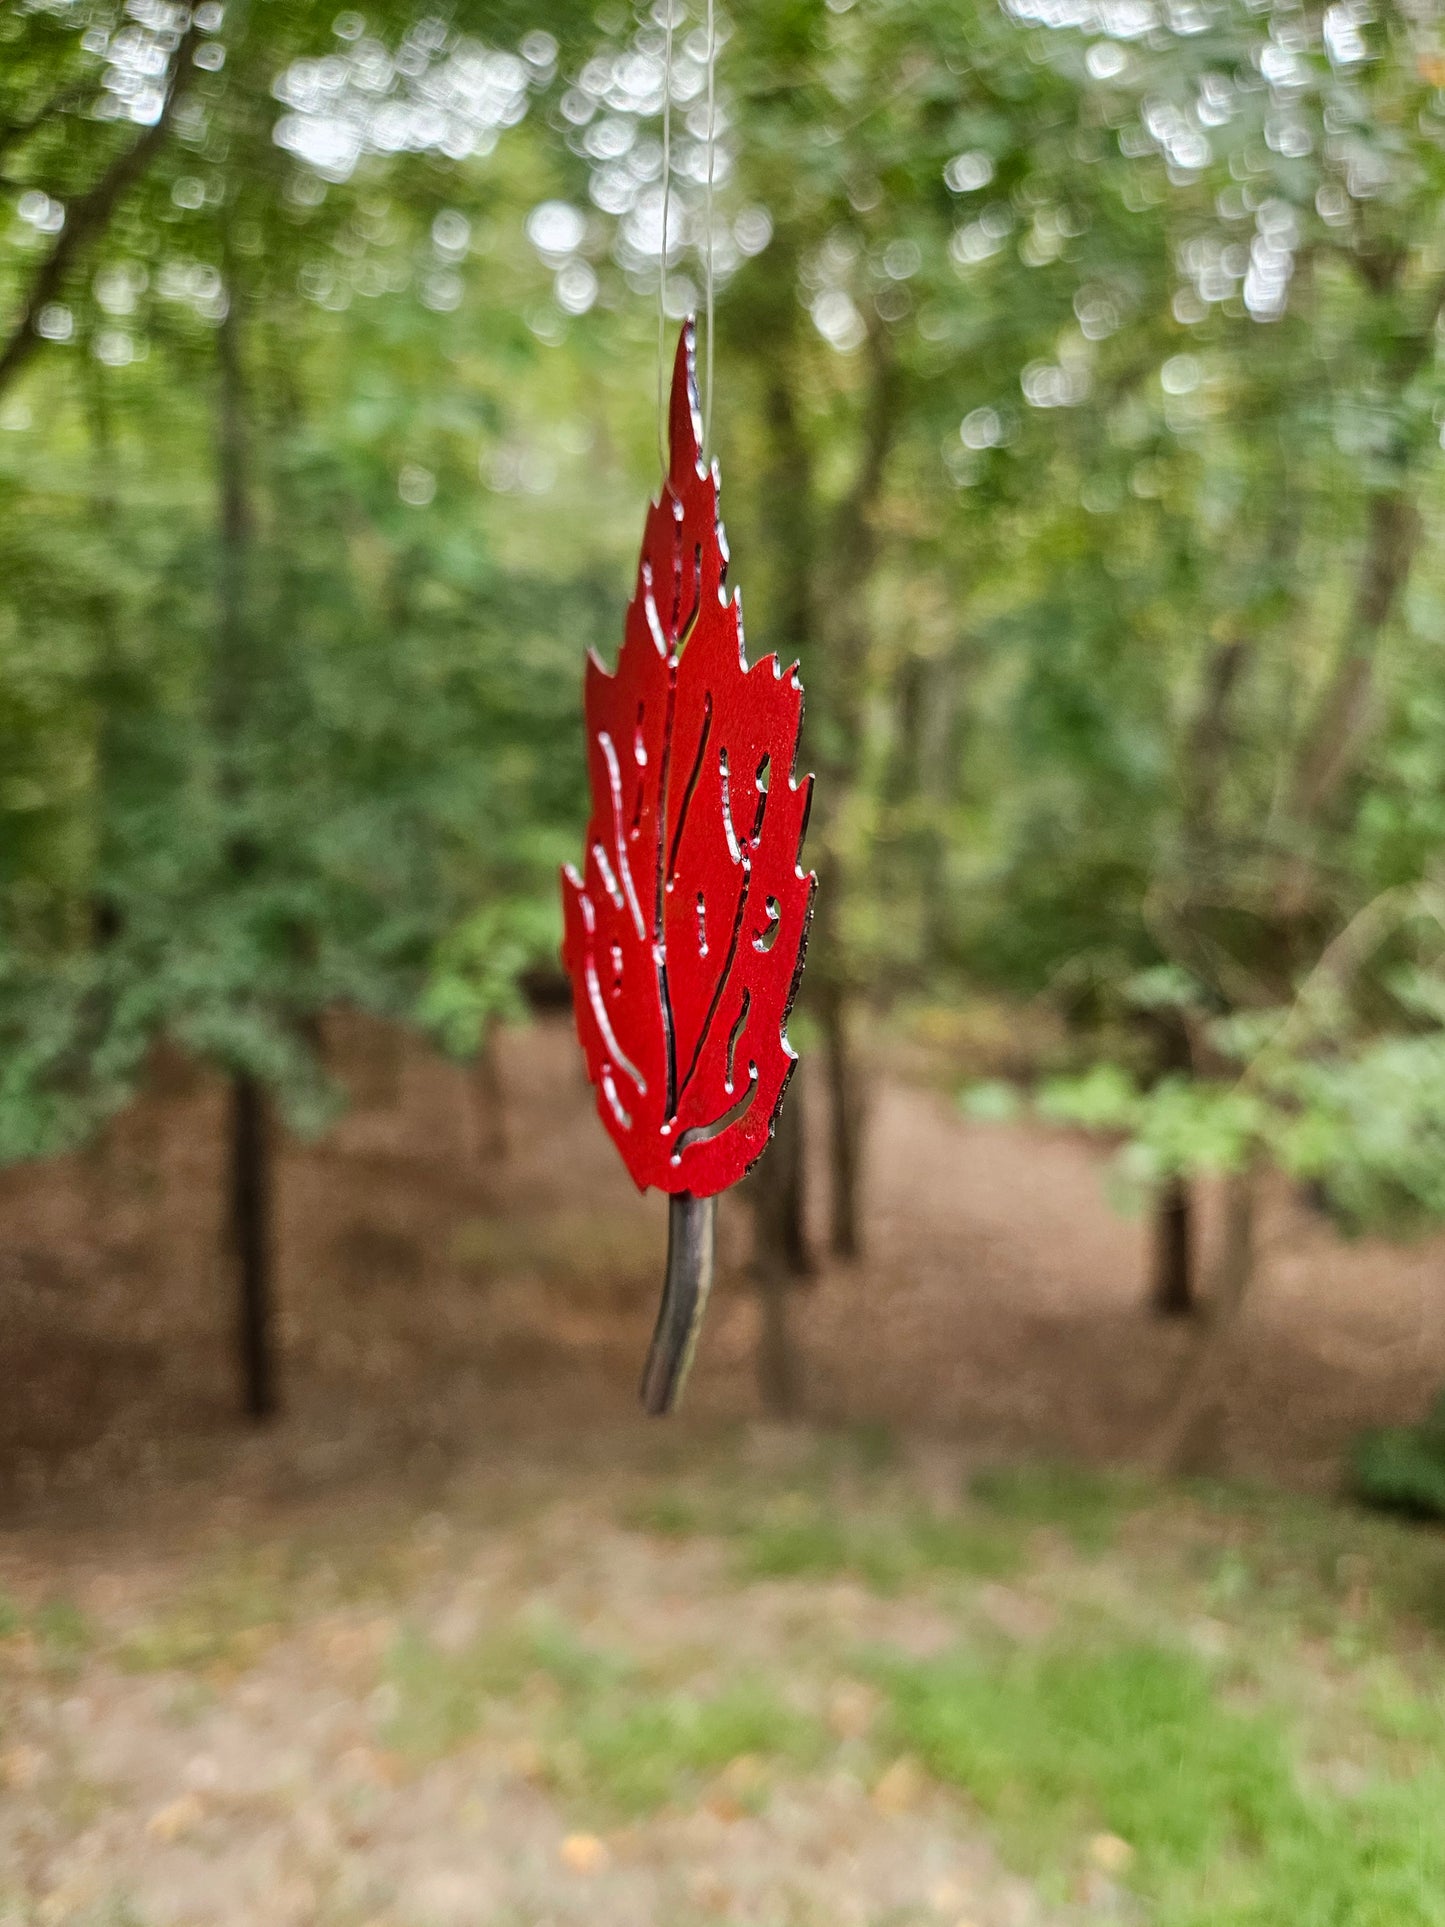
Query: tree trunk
(779, 1367)
(490, 1097)
(109, 697)
(780, 1256)
(843, 690)
(776, 1192)
(845, 1122)
(821, 596)
(248, 1150)
(1171, 1283)
(250, 1228)
(1192, 1437)
(1171, 1290)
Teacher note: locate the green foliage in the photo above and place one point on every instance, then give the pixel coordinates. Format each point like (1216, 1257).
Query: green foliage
(1364, 1117)
(278, 718)
(1104, 1098)
(477, 968)
(1177, 1126)
(1372, 1127)
(1078, 392)
(990, 1102)
(1401, 1468)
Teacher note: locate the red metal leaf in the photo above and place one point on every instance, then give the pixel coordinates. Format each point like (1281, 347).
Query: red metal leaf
(685, 933)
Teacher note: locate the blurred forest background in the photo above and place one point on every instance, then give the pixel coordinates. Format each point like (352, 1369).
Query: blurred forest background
(1079, 400)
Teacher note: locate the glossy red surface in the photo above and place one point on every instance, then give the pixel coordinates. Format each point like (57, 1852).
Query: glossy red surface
(685, 931)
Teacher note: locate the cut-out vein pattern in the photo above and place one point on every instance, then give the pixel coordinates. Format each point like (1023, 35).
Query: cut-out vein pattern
(692, 908)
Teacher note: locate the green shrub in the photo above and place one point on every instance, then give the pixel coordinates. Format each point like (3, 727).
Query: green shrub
(1401, 1468)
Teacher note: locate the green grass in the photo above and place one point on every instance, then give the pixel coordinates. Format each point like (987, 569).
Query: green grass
(64, 1633)
(1316, 1567)
(221, 1619)
(1228, 1827)
(887, 1553)
(842, 1517)
(1290, 1772)
(244, 1597)
(1245, 1686)
(442, 1697)
(55, 1628)
(111, 1912)
(1086, 1506)
(669, 1515)
(613, 1743)
(848, 1513)
(629, 1758)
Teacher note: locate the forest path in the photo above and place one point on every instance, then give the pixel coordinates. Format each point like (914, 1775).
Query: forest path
(436, 1290)
(1003, 1302)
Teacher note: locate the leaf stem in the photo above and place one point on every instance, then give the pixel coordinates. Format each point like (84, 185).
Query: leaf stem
(691, 1251)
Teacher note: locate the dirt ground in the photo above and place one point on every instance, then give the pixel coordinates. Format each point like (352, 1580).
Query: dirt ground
(232, 1660)
(452, 1271)
(233, 1734)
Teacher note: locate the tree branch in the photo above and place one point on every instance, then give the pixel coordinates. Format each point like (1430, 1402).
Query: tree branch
(1392, 538)
(1341, 723)
(90, 215)
(853, 536)
(1209, 741)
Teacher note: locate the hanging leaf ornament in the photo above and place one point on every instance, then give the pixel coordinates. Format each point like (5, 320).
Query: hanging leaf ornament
(684, 934)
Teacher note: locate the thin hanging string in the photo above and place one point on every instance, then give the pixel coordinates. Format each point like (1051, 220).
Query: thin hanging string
(662, 437)
(707, 222)
(709, 300)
